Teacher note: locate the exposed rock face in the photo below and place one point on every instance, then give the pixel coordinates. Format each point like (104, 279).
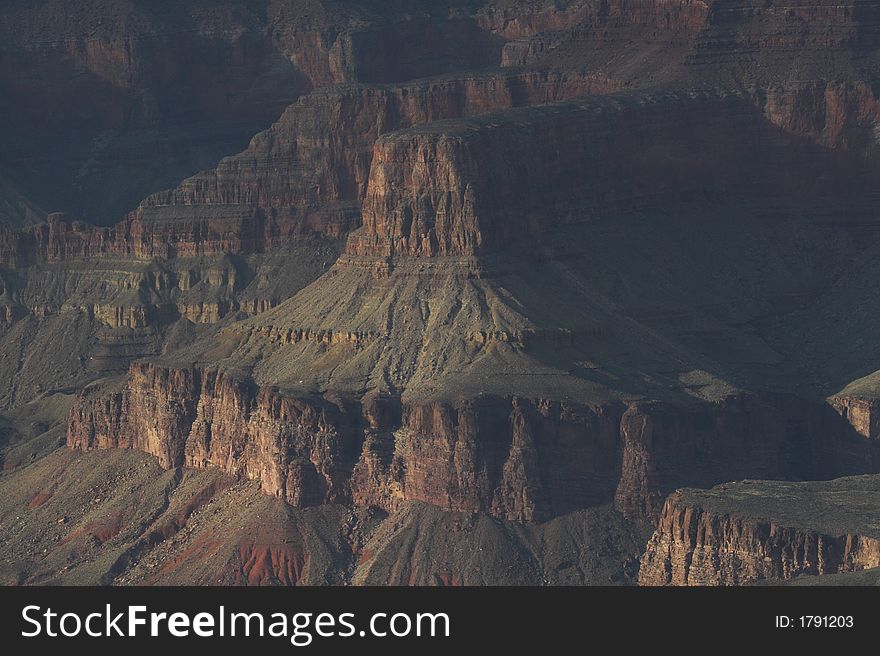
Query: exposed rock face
(863, 414)
(61, 238)
(515, 459)
(310, 170)
(299, 450)
(120, 100)
(550, 302)
(696, 544)
(665, 447)
(594, 26)
(835, 114)
(124, 521)
(721, 39)
(433, 189)
(126, 293)
(307, 173)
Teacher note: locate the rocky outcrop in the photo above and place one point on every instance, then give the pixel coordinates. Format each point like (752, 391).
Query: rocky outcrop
(121, 292)
(535, 32)
(433, 189)
(724, 39)
(301, 450)
(310, 169)
(303, 175)
(835, 114)
(696, 545)
(666, 447)
(119, 101)
(862, 413)
(62, 238)
(517, 459)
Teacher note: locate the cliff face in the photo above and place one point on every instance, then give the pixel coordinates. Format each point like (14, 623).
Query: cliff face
(721, 39)
(665, 447)
(433, 189)
(309, 171)
(515, 459)
(862, 414)
(699, 545)
(61, 238)
(524, 460)
(123, 292)
(305, 174)
(188, 417)
(147, 95)
(835, 114)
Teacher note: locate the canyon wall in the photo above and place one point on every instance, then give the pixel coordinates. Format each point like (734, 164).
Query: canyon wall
(517, 459)
(120, 100)
(303, 175)
(691, 37)
(862, 413)
(694, 545)
(433, 189)
(122, 292)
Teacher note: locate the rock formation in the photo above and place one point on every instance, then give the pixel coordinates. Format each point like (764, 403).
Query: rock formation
(511, 272)
(517, 459)
(698, 544)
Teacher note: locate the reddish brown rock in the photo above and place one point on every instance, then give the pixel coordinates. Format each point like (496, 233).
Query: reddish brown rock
(433, 189)
(862, 414)
(302, 175)
(668, 446)
(696, 545)
(148, 95)
(302, 451)
(517, 459)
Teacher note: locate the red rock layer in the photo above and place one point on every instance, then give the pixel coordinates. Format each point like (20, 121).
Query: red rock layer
(834, 114)
(434, 190)
(666, 447)
(694, 546)
(724, 34)
(517, 459)
(302, 175)
(301, 450)
(307, 173)
(862, 414)
(233, 62)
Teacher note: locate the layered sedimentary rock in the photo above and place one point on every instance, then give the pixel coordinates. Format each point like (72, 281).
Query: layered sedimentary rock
(858, 403)
(433, 189)
(64, 324)
(777, 436)
(718, 39)
(299, 450)
(594, 30)
(125, 293)
(525, 460)
(841, 115)
(120, 100)
(556, 302)
(863, 414)
(307, 173)
(761, 530)
(310, 170)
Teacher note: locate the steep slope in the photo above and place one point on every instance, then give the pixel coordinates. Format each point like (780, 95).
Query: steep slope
(115, 517)
(307, 173)
(64, 325)
(551, 309)
(118, 99)
(750, 531)
(512, 380)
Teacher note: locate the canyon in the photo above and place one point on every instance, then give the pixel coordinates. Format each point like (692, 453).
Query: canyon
(497, 292)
